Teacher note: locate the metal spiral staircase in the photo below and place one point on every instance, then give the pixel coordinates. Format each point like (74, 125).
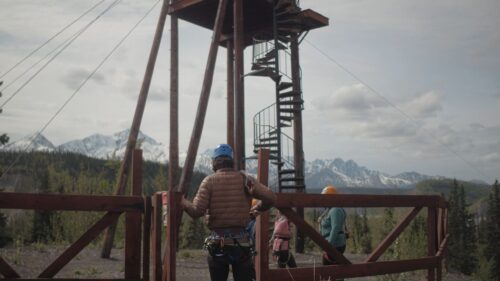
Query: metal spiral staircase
(271, 58)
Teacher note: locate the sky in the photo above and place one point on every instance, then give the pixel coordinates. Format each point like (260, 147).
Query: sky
(396, 86)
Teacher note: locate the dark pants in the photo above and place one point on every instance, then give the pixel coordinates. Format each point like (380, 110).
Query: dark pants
(284, 259)
(327, 260)
(240, 260)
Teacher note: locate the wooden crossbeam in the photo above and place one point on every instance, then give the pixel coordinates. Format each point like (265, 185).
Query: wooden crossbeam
(81, 243)
(62, 202)
(314, 235)
(331, 272)
(393, 235)
(287, 200)
(6, 270)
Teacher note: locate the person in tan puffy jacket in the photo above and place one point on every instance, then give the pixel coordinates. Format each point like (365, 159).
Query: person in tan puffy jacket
(224, 198)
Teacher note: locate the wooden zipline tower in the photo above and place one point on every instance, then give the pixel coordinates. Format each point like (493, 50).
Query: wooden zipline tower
(274, 29)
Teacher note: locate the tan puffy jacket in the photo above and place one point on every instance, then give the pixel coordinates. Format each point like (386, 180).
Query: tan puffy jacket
(225, 200)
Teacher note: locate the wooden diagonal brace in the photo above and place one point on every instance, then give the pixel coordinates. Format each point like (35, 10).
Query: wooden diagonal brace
(393, 235)
(75, 248)
(314, 235)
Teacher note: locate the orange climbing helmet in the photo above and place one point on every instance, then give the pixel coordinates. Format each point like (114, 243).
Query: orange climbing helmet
(329, 189)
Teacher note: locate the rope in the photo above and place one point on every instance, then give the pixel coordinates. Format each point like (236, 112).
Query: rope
(79, 87)
(51, 38)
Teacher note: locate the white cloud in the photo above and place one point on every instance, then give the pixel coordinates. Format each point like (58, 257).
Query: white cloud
(424, 106)
(76, 77)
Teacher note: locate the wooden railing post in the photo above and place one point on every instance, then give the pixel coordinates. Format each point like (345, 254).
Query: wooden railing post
(156, 225)
(262, 223)
(431, 239)
(133, 223)
(173, 207)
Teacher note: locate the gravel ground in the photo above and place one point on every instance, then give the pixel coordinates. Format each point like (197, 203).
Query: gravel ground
(30, 261)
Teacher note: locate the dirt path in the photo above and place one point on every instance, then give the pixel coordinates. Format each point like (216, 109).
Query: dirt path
(30, 261)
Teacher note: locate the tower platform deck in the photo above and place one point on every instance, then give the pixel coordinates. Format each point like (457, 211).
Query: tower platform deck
(257, 17)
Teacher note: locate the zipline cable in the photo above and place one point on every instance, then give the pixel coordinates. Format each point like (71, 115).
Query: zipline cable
(51, 38)
(410, 118)
(35, 64)
(79, 88)
(80, 32)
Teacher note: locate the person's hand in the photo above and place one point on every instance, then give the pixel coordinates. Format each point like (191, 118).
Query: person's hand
(254, 213)
(255, 209)
(184, 202)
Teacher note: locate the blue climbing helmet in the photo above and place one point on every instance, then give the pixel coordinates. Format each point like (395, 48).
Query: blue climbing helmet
(222, 150)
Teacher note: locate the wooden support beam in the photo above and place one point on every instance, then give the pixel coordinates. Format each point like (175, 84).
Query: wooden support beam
(187, 171)
(431, 239)
(262, 222)
(6, 270)
(133, 223)
(136, 124)
(293, 200)
(173, 155)
(146, 246)
(156, 202)
(398, 229)
(169, 261)
(81, 243)
(62, 202)
(314, 235)
(332, 272)
(298, 144)
(239, 86)
(230, 93)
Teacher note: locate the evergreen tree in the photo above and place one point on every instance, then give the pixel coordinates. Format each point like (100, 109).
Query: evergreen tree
(42, 220)
(463, 242)
(356, 232)
(389, 221)
(365, 241)
(492, 250)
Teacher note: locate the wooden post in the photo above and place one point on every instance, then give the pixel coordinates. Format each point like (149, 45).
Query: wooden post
(431, 239)
(187, 171)
(133, 223)
(298, 144)
(239, 87)
(156, 236)
(136, 124)
(230, 93)
(169, 263)
(146, 232)
(173, 155)
(262, 222)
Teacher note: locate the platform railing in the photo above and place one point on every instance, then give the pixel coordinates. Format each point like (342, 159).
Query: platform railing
(137, 226)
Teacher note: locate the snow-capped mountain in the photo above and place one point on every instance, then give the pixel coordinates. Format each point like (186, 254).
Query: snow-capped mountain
(342, 173)
(106, 147)
(319, 172)
(37, 142)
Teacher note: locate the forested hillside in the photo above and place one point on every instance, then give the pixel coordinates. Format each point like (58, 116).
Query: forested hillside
(64, 173)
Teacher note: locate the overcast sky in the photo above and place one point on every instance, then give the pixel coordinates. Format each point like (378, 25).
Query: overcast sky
(425, 95)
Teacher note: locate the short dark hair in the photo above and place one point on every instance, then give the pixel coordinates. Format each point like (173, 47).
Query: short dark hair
(222, 162)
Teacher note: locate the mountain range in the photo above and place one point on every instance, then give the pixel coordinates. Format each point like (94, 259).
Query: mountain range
(319, 172)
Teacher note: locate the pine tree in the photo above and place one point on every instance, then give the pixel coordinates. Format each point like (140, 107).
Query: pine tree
(366, 238)
(492, 250)
(42, 220)
(463, 242)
